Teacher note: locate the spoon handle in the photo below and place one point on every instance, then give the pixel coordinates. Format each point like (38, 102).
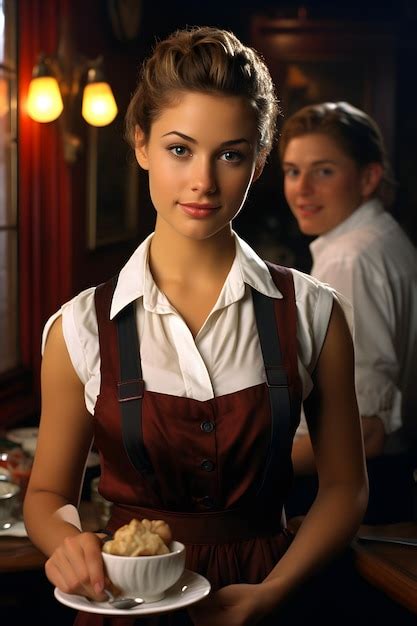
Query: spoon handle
(122, 603)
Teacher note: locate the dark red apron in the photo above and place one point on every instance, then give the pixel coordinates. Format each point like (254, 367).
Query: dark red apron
(217, 471)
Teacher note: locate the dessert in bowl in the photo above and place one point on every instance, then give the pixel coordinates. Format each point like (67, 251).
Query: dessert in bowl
(142, 560)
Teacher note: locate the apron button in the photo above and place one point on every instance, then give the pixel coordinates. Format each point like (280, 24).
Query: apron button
(207, 426)
(207, 465)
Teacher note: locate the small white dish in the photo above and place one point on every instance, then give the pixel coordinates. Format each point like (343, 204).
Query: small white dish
(17, 529)
(27, 437)
(18, 435)
(189, 589)
(146, 576)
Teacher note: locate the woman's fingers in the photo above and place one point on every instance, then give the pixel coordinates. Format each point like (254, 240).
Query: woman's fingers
(95, 566)
(55, 576)
(77, 566)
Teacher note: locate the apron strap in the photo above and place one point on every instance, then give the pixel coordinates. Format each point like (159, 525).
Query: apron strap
(130, 389)
(279, 396)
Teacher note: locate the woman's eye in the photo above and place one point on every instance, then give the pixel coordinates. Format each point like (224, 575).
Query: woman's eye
(231, 156)
(179, 151)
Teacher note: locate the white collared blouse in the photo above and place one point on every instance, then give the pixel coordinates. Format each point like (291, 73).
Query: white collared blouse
(214, 363)
(370, 261)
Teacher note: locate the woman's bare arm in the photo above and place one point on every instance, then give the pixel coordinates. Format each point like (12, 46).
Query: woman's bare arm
(303, 454)
(334, 423)
(65, 437)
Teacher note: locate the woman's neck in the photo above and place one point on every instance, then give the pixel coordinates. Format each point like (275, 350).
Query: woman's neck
(176, 258)
(190, 272)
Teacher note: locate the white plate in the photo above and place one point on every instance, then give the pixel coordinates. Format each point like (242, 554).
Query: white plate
(15, 530)
(18, 435)
(27, 437)
(190, 588)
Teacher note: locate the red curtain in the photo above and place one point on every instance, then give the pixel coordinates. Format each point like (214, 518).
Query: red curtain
(44, 191)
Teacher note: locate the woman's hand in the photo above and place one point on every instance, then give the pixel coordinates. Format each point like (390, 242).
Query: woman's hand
(234, 605)
(76, 566)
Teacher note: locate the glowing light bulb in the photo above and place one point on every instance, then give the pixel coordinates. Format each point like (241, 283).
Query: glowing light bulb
(99, 106)
(44, 102)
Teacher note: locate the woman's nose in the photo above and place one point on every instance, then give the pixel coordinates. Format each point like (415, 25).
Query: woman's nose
(203, 177)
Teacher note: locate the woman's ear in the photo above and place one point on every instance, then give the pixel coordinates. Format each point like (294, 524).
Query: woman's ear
(371, 177)
(141, 150)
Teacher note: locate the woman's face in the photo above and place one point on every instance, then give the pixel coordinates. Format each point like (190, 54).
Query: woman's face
(323, 185)
(202, 157)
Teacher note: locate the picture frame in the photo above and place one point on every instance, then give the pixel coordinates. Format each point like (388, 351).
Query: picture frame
(112, 188)
(9, 280)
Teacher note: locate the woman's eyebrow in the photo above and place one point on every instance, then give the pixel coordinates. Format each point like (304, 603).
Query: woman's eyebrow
(230, 142)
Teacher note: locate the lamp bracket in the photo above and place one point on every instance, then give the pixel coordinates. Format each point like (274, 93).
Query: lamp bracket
(70, 69)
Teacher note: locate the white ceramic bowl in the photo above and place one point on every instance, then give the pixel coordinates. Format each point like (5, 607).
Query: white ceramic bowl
(146, 576)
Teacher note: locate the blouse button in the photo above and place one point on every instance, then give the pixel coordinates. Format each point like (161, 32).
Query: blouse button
(207, 427)
(207, 465)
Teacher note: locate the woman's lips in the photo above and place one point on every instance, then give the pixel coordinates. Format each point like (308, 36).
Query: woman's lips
(198, 210)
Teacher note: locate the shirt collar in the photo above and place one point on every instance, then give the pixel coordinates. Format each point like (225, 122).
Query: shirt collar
(363, 215)
(135, 280)
(131, 279)
(254, 271)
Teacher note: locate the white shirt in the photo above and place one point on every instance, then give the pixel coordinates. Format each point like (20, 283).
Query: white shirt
(369, 259)
(216, 361)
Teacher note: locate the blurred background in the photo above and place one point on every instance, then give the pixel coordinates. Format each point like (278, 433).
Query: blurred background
(74, 205)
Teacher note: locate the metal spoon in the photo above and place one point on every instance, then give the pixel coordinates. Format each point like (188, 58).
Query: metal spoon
(123, 603)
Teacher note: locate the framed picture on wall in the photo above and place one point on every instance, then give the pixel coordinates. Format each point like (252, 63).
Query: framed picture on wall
(112, 188)
(9, 352)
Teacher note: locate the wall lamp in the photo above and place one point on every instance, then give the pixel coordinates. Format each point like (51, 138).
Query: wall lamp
(55, 92)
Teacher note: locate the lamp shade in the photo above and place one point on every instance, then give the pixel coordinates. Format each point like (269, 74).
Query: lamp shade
(99, 106)
(44, 102)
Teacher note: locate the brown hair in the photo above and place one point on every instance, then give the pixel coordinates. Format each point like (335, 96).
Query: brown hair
(206, 60)
(355, 132)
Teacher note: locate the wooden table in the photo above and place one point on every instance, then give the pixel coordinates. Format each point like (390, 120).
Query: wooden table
(26, 595)
(18, 554)
(391, 568)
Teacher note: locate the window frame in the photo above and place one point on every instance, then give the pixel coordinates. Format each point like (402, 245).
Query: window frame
(44, 219)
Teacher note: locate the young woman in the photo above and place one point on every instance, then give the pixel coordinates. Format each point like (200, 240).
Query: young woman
(336, 180)
(227, 349)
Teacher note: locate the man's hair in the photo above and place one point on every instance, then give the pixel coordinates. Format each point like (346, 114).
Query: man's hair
(355, 132)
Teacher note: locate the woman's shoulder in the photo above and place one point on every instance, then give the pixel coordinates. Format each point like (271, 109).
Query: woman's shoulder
(314, 302)
(78, 320)
(310, 291)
